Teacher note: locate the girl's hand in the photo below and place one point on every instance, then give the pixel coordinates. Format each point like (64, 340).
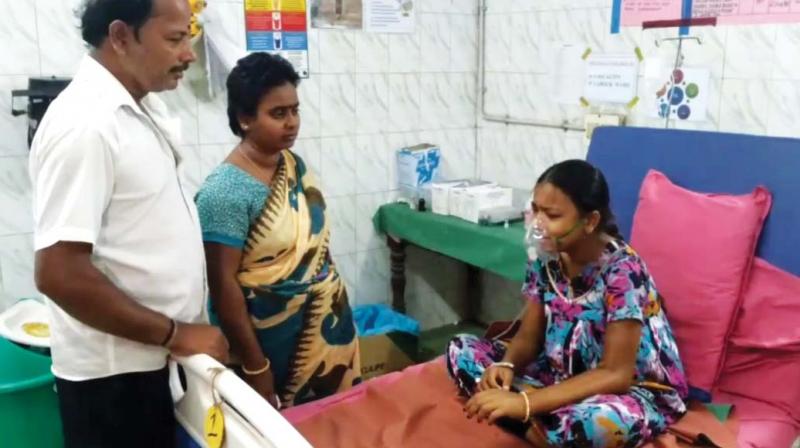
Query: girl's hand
(496, 377)
(495, 403)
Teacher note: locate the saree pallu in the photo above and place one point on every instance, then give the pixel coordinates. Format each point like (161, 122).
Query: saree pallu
(296, 299)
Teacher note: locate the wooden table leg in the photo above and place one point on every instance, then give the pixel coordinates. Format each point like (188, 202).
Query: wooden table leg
(473, 293)
(398, 259)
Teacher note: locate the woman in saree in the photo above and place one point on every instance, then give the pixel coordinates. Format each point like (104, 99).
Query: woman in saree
(274, 289)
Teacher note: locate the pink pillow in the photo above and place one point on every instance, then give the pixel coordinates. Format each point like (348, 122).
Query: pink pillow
(760, 425)
(770, 310)
(699, 248)
(766, 339)
(770, 377)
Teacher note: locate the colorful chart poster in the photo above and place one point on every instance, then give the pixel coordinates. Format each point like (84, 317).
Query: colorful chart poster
(684, 96)
(279, 27)
(727, 12)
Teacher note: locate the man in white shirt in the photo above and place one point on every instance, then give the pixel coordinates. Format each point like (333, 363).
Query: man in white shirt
(119, 248)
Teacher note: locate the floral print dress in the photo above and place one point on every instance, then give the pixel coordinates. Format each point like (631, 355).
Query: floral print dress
(616, 287)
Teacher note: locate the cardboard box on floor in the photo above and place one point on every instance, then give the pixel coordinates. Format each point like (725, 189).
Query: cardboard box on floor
(385, 353)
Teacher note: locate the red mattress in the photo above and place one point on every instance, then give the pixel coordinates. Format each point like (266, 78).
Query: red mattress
(420, 407)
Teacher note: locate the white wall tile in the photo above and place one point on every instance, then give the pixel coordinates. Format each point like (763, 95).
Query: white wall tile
(404, 102)
(338, 166)
(463, 43)
(787, 46)
(749, 51)
(404, 53)
(783, 109)
(310, 107)
(337, 104)
(19, 54)
(461, 99)
(372, 157)
(373, 277)
(341, 211)
(13, 130)
(524, 42)
(337, 50)
(434, 101)
(314, 62)
(498, 42)
(372, 53)
(744, 106)
(434, 42)
(16, 260)
(212, 121)
(459, 155)
(463, 6)
(372, 102)
(439, 6)
(15, 196)
(497, 96)
(58, 33)
(366, 206)
(231, 14)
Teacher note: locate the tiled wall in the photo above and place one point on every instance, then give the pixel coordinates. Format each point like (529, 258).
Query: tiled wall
(368, 94)
(754, 86)
(754, 74)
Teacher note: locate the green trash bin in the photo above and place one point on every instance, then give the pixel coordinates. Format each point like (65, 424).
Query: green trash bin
(29, 416)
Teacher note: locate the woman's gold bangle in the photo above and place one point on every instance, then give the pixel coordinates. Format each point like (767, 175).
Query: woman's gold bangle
(527, 407)
(256, 372)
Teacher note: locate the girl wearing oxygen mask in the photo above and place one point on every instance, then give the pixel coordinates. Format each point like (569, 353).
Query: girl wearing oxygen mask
(540, 244)
(594, 362)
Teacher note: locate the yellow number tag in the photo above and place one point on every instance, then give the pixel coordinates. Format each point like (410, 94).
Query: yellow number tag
(214, 427)
(37, 329)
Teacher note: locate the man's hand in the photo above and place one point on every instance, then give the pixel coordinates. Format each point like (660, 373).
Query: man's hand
(192, 339)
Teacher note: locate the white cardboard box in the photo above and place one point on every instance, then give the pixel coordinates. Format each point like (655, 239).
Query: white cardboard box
(473, 201)
(440, 195)
(457, 197)
(466, 202)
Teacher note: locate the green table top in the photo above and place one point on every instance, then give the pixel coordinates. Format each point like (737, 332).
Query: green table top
(494, 248)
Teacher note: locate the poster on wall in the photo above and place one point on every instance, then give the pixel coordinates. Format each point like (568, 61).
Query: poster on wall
(727, 12)
(611, 78)
(279, 27)
(683, 96)
(748, 11)
(343, 14)
(389, 16)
